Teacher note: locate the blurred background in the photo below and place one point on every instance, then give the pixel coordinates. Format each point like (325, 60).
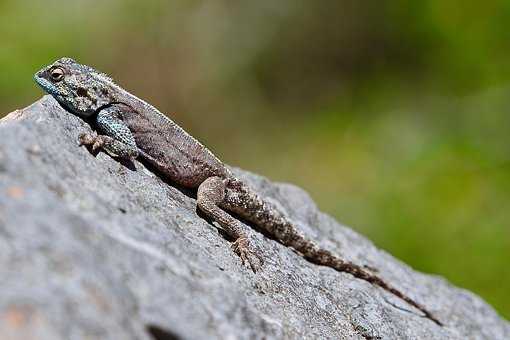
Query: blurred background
(394, 115)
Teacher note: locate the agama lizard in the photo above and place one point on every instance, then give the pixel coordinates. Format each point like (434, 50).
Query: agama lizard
(130, 128)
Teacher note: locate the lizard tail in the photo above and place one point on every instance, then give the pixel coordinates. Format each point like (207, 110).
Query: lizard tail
(313, 253)
(246, 203)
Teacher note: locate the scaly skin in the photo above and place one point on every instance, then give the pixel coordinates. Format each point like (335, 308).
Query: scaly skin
(131, 128)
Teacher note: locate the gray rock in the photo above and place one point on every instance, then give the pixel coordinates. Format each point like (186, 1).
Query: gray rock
(93, 249)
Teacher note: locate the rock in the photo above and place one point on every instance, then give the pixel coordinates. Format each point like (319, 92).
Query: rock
(94, 249)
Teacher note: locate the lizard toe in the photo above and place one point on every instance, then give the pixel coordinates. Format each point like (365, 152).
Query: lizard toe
(86, 138)
(255, 262)
(248, 257)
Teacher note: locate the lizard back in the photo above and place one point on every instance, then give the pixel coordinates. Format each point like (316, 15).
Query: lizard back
(85, 91)
(166, 145)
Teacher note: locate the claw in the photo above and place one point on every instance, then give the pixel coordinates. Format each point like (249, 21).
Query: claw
(92, 141)
(86, 139)
(98, 143)
(242, 248)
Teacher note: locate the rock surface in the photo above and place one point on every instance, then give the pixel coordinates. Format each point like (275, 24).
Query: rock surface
(93, 249)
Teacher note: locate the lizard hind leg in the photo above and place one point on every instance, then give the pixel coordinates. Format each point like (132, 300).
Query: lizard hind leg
(246, 203)
(210, 194)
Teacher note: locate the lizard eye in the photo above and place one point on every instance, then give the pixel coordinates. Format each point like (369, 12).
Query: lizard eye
(57, 74)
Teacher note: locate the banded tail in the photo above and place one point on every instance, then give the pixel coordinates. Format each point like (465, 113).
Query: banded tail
(243, 201)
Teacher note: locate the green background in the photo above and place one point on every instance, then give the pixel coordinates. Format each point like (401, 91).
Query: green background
(392, 114)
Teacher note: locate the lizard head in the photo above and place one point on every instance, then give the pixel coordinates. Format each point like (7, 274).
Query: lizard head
(79, 88)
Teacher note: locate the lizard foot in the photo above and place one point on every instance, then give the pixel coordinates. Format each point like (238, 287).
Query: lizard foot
(111, 146)
(89, 139)
(242, 248)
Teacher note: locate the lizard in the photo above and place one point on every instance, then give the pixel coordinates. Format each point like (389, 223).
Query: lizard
(126, 127)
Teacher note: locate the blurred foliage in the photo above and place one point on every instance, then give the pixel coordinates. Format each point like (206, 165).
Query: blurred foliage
(392, 114)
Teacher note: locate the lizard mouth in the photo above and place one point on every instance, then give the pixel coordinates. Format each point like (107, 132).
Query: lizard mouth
(51, 89)
(46, 85)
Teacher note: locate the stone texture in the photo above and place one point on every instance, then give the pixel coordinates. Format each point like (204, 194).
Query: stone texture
(93, 249)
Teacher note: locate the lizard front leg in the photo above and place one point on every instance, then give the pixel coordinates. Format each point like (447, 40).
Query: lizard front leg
(211, 193)
(116, 138)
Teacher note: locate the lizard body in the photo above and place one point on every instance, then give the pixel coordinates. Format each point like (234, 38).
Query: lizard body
(130, 128)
